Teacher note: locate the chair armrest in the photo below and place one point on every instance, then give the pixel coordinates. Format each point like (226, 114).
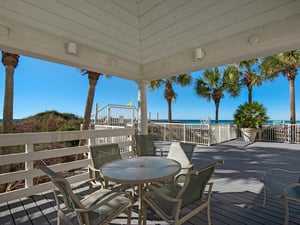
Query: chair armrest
(189, 168)
(93, 169)
(83, 183)
(92, 172)
(290, 187)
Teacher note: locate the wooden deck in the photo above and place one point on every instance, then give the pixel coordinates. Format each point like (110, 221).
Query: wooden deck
(237, 193)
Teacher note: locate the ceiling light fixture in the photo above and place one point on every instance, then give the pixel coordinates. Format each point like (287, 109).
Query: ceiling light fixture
(253, 39)
(71, 48)
(199, 54)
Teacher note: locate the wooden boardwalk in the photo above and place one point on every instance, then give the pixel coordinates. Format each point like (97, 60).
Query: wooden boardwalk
(237, 193)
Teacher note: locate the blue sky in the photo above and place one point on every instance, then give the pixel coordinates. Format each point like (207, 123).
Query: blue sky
(42, 85)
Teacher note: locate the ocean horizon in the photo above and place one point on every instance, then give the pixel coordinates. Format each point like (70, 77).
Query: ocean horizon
(193, 121)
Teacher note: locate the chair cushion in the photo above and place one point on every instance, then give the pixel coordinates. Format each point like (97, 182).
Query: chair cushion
(108, 209)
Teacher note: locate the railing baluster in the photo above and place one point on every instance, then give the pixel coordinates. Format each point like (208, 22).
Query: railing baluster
(28, 165)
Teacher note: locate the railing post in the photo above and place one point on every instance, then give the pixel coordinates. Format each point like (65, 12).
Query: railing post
(165, 131)
(209, 135)
(184, 132)
(28, 165)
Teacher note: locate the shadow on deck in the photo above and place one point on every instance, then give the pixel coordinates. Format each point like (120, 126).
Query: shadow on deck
(237, 193)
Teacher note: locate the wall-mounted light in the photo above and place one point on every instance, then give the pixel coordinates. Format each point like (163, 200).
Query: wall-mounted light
(199, 54)
(71, 48)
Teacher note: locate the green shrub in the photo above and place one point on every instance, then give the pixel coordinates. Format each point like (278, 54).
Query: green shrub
(250, 115)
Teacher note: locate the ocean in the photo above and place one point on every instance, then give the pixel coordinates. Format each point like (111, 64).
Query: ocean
(220, 121)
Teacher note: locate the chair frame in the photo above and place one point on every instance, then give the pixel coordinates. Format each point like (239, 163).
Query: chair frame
(73, 203)
(189, 156)
(178, 201)
(285, 196)
(107, 149)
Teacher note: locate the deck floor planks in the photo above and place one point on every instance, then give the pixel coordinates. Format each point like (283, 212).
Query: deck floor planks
(248, 211)
(237, 193)
(35, 214)
(46, 208)
(18, 212)
(5, 214)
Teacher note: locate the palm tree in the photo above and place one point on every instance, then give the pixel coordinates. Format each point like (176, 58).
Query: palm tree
(213, 84)
(249, 77)
(286, 64)
(169, 93)
(10, 61)
(93, 79)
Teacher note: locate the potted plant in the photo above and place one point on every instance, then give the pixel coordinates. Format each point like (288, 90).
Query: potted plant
(248, 117)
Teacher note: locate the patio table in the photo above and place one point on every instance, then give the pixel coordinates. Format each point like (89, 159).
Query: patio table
(140, 171)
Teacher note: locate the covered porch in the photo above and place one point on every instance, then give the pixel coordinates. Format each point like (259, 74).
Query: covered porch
(237, 193)
(144, 40)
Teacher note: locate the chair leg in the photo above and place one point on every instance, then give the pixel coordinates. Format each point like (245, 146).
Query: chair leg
(265, 197)
(144, 213)
(58, 217)
(208, 214)
(129, 216)
(286, 211)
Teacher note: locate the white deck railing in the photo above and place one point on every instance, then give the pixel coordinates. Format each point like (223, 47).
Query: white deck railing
(30, 156)
(197, 133)
(205, 134)
(209, 134)
(285, 133)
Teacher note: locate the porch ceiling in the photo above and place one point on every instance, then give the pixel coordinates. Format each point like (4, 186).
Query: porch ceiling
(148, 39)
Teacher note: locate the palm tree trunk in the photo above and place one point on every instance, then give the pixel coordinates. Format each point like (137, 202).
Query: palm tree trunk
(93, 78)
(10, 61)
(292, 109)
(170, 111)
(217, 103)
(89, 106)
(292, 101)
(250, 94)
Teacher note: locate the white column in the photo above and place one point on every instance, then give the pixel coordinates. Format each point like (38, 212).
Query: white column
(142, 108)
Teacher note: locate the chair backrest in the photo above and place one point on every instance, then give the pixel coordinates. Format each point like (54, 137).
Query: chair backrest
(188, 149)
(195, 184)
(71, 201)
(102, 154)
(177, 153)
(145, 145)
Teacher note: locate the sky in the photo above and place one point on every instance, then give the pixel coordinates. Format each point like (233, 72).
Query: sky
(41, 86)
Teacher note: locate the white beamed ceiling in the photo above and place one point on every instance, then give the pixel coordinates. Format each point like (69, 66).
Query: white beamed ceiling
(148, 39)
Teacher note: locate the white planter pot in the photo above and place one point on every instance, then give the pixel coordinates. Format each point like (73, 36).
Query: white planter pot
(249, 134)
